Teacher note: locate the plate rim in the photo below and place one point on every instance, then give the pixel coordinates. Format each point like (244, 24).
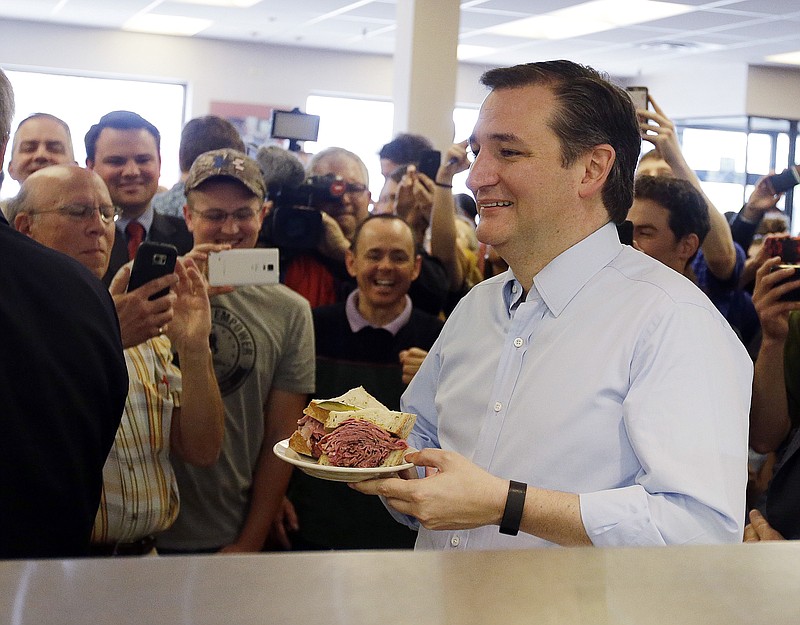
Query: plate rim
(283, 446)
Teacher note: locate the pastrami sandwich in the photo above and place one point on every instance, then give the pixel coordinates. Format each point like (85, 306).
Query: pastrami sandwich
(353, 430)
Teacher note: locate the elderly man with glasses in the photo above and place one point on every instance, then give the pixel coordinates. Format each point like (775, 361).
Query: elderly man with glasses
(168, 411)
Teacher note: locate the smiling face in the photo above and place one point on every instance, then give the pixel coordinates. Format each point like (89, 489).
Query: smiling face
(526, 197)
(384, 265)
(86, 239)
(129, 163)
(230, 196)
(38, 143)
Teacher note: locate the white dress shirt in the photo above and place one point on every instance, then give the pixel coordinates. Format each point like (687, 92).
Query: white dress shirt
(615, 378)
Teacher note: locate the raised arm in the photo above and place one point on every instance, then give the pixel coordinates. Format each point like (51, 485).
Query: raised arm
(769, 409)
(198, 426)
(718, 248)
(443, 218)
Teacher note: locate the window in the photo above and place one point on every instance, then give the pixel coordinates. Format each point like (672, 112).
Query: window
(81, 101)
(730, 155)
(364, 126)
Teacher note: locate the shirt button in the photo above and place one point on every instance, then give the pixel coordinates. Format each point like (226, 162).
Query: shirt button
(518, 342)
(498, 406)
(455, 541)
(514, 289)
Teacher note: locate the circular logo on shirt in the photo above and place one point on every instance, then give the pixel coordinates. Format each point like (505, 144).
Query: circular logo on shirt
(233, 349)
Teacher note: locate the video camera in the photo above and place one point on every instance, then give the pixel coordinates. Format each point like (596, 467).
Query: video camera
(295, 220)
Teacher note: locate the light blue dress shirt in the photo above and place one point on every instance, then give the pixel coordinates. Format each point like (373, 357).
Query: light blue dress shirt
(615, 378)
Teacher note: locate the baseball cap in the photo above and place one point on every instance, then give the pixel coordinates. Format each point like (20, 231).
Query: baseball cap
(226, 163)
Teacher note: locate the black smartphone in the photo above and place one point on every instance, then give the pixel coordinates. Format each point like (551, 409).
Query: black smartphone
(638, 96)
(783, 181)
(429, 163)
(152, 261)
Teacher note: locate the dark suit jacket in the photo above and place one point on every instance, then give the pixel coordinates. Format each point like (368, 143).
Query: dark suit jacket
(63, 384)
(165, 229)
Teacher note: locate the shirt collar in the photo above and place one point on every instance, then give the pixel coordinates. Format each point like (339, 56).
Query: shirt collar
(567, 273)
(146, 219)
(357, 321)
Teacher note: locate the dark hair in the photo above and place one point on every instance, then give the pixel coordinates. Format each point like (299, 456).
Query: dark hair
(120, 120)
(57, 120)
(688, 209)
(385, 217)
(592, 111)
(405, 148)
(203, 134)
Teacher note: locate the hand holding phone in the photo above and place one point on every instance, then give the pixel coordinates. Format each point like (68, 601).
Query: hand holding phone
(784, 181)
(153, 260)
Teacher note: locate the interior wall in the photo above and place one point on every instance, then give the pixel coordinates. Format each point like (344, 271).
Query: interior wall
(214, 70)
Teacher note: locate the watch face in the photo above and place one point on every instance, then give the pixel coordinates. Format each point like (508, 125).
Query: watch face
(233, 349)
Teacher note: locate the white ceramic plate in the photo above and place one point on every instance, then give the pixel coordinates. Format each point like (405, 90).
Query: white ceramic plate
(335, 474)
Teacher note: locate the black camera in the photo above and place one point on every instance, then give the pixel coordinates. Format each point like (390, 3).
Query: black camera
(295, 221)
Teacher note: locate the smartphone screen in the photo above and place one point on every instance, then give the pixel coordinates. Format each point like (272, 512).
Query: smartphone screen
(638, 96)
(429, 163)
(152, 261)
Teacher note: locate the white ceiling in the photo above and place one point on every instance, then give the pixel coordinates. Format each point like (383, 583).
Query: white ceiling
(738, 31)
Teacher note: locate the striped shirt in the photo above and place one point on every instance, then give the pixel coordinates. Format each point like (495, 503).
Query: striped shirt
(140, 493)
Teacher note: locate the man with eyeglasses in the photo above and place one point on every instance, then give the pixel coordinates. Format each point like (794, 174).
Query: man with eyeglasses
(320, 275)
(125, 150)
(262, 340)
(62, 389)
(168, 411)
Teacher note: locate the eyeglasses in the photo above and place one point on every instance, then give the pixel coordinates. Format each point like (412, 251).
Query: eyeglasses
(80, 212)
(219, 216)
(355, 188)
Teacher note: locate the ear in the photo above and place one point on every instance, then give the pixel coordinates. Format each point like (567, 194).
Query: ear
(350, 263)
(417, 267)
(188, 217)
(597, 164)
(266, 208)
(22, 223)
(688, 246)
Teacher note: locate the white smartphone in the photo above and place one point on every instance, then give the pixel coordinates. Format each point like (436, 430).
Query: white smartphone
(242, 267)
(639, 96)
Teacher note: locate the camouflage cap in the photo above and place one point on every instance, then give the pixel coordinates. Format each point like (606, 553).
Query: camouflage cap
(226, 163)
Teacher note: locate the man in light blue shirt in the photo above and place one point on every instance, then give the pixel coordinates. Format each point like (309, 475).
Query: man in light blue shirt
(589, 395)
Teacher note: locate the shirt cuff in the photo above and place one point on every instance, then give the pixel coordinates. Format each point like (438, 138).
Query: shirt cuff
(619, 517)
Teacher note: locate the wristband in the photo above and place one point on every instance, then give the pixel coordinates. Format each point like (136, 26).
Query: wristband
(515, 503)
(442, 184)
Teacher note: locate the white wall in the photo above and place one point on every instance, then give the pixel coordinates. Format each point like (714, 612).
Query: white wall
(214, 70)
(773, 92)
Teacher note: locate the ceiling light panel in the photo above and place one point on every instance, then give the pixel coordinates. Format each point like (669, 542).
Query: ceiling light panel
(166, 24)
(589, 17)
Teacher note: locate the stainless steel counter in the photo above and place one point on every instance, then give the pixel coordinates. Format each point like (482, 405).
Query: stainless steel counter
(747, 584)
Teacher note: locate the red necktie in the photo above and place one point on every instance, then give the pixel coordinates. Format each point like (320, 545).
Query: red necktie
(135, 232)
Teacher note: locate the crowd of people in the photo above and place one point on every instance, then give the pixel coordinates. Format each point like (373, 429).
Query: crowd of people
(571, 386)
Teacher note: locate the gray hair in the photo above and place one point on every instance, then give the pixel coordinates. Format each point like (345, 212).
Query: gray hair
(6, 108)
(338, 153)
(279, 168)
(20, 203)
